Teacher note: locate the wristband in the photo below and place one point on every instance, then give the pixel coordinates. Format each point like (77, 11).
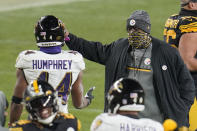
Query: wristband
(16, 100)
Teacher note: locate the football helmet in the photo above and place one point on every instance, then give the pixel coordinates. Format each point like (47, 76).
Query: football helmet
(41, 101)
(125, 95)
(49, 31)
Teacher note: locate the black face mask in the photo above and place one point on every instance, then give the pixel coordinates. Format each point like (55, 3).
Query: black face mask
(39, 103)
(139, 39)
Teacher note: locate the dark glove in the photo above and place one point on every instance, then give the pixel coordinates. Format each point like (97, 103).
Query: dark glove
(89, 95)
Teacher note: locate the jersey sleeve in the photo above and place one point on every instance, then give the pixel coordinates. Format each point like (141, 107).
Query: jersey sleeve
(22, 60)
(18, 126)
(97, 122)
(78, 125)
(72, 120)
(78, 60)
(188, 24)
(15, 129)
(81, 62)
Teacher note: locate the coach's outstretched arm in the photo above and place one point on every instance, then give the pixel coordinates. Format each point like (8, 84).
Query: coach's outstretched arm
(16, 105)
(94, 51)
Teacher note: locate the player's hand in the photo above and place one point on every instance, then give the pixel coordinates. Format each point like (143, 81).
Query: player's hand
(89, 95)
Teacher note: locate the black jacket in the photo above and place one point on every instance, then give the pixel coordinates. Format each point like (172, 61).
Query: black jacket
(174, 86)
(62, 122)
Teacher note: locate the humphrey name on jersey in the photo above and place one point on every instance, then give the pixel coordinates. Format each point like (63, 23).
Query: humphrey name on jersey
(52, 64)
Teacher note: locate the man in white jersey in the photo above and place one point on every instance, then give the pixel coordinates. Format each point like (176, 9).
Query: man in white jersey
(61, 69)
(126, 99)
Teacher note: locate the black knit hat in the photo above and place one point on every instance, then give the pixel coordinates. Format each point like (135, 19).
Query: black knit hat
(184, 2)
(139, 19)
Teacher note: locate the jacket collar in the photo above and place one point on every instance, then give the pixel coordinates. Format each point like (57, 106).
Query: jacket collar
(131, 116)
(188, 12)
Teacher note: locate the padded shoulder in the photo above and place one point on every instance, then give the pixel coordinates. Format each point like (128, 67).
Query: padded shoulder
(21, 122)
(18, 126)
(67, 115)
(188, 24)
(16, 129)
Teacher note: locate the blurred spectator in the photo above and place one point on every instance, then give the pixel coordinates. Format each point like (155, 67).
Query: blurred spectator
(3, 113)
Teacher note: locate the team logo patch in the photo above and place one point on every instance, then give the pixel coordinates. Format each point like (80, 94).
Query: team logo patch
(164, 67)
(97, 124)
(132, 22)
(147, 61)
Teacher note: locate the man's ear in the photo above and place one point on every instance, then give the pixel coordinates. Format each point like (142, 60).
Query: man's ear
(192, 5)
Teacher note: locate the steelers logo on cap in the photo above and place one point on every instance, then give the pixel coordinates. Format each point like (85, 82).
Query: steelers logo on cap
(132, 22)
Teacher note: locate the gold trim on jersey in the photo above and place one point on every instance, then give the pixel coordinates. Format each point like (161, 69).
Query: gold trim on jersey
(67, 115)
(173, 45)
(188, 17)
(35, 85)
(23, 122)
(132, 68)
(97, 124)
(78, 124)
(169, 33)
(192, 27)
(171, 23)
(174, 14)
(16, 129)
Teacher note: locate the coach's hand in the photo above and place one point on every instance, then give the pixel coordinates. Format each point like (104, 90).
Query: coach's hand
(66, 36)
(89, 95)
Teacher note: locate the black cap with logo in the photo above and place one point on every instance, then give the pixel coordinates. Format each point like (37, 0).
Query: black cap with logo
(139, 19)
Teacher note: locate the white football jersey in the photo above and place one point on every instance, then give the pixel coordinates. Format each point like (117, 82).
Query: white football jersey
(60, 70)
(116, 122)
